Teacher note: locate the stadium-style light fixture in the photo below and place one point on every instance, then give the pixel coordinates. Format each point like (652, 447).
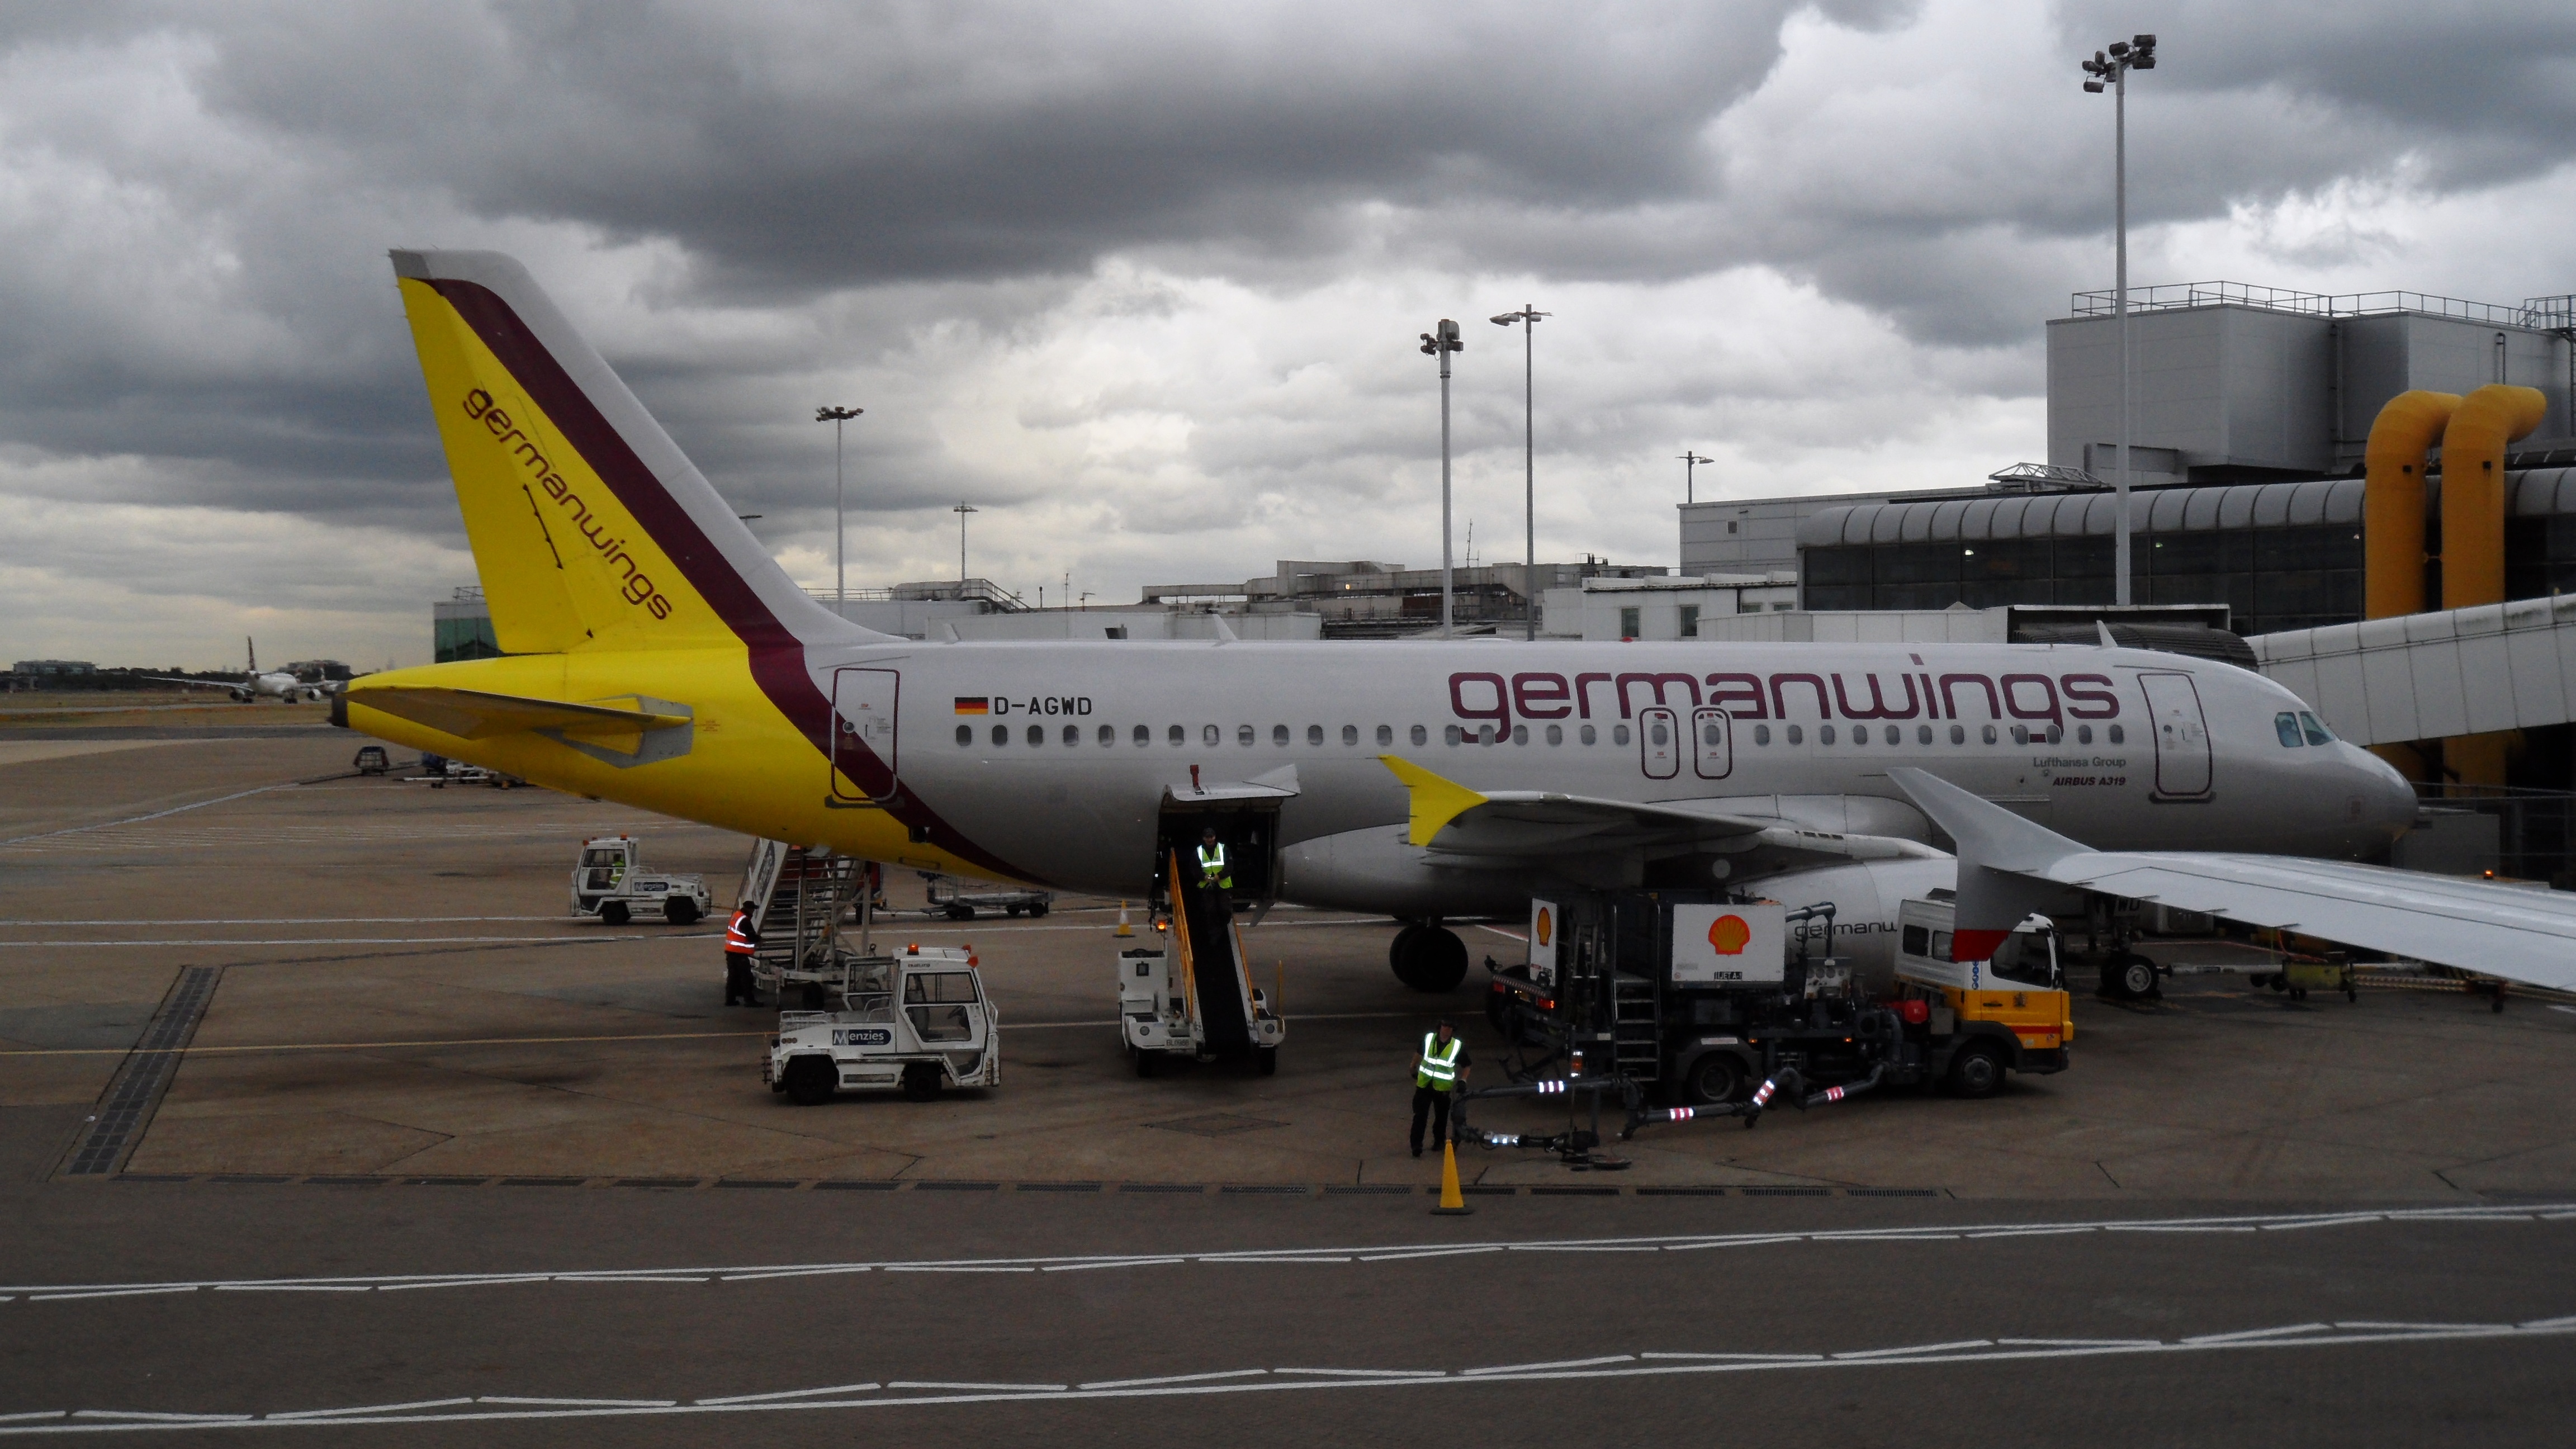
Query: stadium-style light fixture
(836, 416)
(2109, 69)
(1527, 318)
(1440, 344)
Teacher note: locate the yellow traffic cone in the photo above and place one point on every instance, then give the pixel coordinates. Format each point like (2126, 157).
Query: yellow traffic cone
(1453, 1203)
(1124, 929)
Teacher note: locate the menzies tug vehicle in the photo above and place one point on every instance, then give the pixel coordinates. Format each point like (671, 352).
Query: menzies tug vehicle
(612, 884)
(655, 655)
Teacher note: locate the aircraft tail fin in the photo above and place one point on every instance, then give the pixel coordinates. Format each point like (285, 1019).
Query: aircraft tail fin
(589, 527)
(250, 647)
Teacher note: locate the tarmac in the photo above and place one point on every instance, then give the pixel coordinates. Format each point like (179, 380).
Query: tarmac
(381, 1055)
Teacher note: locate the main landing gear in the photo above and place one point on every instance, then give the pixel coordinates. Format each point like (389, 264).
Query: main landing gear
(1428, 957)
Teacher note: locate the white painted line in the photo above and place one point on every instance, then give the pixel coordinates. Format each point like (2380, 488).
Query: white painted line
(2035, 1232)
(2570, 1010)
(1255, 1260)
(576, 1403)
(155, 815)
(1919, 1348)
(1176, 1379)
(1735, 1243)
(1583, 1248)
(2078, 1342)
(1367, 1373)
(1506, 935)
(2332, 1222)
(2373, 1324)
(464, 1283)
(791, 1394)
(949, 1268)
(2249, 1334)
(834, 1270)
(2184, 1228)
(986, 1388)
(1738, 1357)
(1893, 1235)
(2549, 1325)
(1122, 1263)
(625, 1278)
(416, 1404)
(1428, 1253)
(294, 1288)
(1532, 1368)
(110, 1293)
(142, 1415)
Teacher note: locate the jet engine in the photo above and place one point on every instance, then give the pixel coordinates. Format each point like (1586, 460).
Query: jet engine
(1865, 896)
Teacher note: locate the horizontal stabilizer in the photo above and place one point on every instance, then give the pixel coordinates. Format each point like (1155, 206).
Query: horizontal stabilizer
(473, 714)
(2521, 934)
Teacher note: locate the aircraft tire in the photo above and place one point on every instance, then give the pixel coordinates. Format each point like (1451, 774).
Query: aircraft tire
(614, 913)
(810, 1081)
(2134, 976)
(1400, 954)
(1439, 961)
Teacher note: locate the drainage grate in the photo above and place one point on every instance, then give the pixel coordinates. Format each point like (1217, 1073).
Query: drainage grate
(1786, 1192)
(133, 1094)
(1892, 1192)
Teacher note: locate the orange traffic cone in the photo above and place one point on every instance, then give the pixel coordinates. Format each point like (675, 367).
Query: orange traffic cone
(1453, 1203)
(1124, 929)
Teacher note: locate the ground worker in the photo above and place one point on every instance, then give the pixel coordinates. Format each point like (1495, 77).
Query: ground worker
(742, 942)
(1216, 881)
(1439, 1069)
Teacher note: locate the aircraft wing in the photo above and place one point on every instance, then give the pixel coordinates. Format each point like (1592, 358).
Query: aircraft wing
(1461, 826)
(198, 683)
(2518, 933)
(473, 714)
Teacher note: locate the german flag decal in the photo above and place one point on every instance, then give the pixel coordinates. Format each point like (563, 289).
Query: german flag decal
(977, 704)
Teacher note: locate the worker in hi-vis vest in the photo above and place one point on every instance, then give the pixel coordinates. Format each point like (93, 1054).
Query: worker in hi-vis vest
(742, 942)
(1212, 869)
(1438, 1069)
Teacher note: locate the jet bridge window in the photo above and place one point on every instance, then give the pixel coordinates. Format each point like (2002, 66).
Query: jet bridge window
(2286, 725)
(2317, 732)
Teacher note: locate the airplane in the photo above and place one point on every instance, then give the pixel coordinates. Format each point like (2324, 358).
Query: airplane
(277, 684)
(655, 655)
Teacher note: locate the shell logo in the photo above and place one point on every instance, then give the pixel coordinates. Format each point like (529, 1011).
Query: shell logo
(1546, 928)
(1727, 935)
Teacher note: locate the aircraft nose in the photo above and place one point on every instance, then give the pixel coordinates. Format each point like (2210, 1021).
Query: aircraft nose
(2388, 800)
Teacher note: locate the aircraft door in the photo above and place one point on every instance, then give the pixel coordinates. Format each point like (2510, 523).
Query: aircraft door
(2182, 736)
(1712, 743)
(863, 733)
(1659, 742)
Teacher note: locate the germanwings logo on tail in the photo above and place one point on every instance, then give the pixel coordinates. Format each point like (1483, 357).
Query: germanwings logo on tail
(638, 588)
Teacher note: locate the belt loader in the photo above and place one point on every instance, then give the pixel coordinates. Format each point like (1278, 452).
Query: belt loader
(1189, 995)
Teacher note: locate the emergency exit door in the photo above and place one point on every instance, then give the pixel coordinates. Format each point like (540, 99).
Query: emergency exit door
(1658, 743)
(1712, 744)
(2181, 735)
(863, 734)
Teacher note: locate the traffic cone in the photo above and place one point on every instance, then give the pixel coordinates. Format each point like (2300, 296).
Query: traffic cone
(1124, 929)
(1453, 1203)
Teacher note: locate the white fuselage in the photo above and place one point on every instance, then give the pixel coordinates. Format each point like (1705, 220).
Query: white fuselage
(1058, 757)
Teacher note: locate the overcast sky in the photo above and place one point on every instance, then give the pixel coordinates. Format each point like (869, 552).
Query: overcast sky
(1142, 281)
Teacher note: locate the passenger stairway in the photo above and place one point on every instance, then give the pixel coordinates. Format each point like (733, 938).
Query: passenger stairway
(1214, 967)
(804, 895)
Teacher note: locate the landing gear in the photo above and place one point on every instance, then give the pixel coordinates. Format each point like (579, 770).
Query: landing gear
(1428, 958)
(2128, 976)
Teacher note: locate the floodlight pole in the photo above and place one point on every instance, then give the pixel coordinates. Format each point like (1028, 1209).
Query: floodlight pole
(2110, 69)
(961, 510)
(1690, 469)
(1445, 342)
(836, 416)
(1528, 317)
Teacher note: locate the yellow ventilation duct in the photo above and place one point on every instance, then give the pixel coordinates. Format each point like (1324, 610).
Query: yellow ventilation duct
(2392, 505)
(2473, 505)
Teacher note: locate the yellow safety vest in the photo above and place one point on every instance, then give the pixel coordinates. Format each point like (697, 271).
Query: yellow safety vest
(1212, 864)
(1439, 1065)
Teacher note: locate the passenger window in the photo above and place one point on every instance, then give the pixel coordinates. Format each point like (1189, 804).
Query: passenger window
(1314, 734)
(1618, 734)
(1386, 734)
(1520, 734)
(1556, 734)
(1824, 734)
(2083, 734)
(2317, 733)
(1958, 734)
(965, 734)
(1590, 736)
(1922, 734)
(1001, 734)
(1797, 735)
(1073, 735)
(1243, 736)
(2021, 734)
(1660, 735)
(1037, 734)
(1212, 736)
(1176, 735)
(2056, 734)
(1421, 736)
(1278, 736)
(2118, 735)
(1451, 735)
(1108, 735)
(2286, 725)
(1711, 735)
(1860, 735)
(1350, 735)
(1989, 734)
(1895, 736)
(1761, 734)
(1144, 735)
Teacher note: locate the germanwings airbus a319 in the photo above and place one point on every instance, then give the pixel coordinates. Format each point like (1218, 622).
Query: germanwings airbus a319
(656, 656)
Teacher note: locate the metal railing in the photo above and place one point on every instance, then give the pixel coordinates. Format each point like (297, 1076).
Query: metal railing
(2171, 296)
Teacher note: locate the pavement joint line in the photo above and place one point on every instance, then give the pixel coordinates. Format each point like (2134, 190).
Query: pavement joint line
(134, 1091)
(1285, 1380)
(155, 815)
(1366, 1254)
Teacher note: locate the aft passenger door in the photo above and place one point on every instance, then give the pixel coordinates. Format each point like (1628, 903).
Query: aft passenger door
(863, 734)
(1712, 743)
(1658, 745)
(2182, 736)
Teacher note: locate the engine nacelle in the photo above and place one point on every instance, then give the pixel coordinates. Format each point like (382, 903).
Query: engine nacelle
(1866, 895)
(1380, 872)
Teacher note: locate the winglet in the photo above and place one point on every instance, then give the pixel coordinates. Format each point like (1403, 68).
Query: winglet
(2003, 860)
(1436, 801)
(2105, 631)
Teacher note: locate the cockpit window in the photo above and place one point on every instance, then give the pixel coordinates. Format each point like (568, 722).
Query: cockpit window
(2286, 725)
(2317, 732)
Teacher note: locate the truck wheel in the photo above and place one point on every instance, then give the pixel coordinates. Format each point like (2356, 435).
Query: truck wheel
(920, 1081)
(680, 911)
(1266, 1061)
(614, 913)
(1977, 1071)
(1716, 1077)
(1011, 911)
(1038, 909)
(810, 1081)
(961, 913)
(1145, 1061)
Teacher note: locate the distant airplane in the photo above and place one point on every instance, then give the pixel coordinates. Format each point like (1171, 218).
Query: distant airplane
(656, 655)
(277, 684)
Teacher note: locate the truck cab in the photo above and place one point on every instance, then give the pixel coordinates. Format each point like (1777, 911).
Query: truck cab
(2012, 1008)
